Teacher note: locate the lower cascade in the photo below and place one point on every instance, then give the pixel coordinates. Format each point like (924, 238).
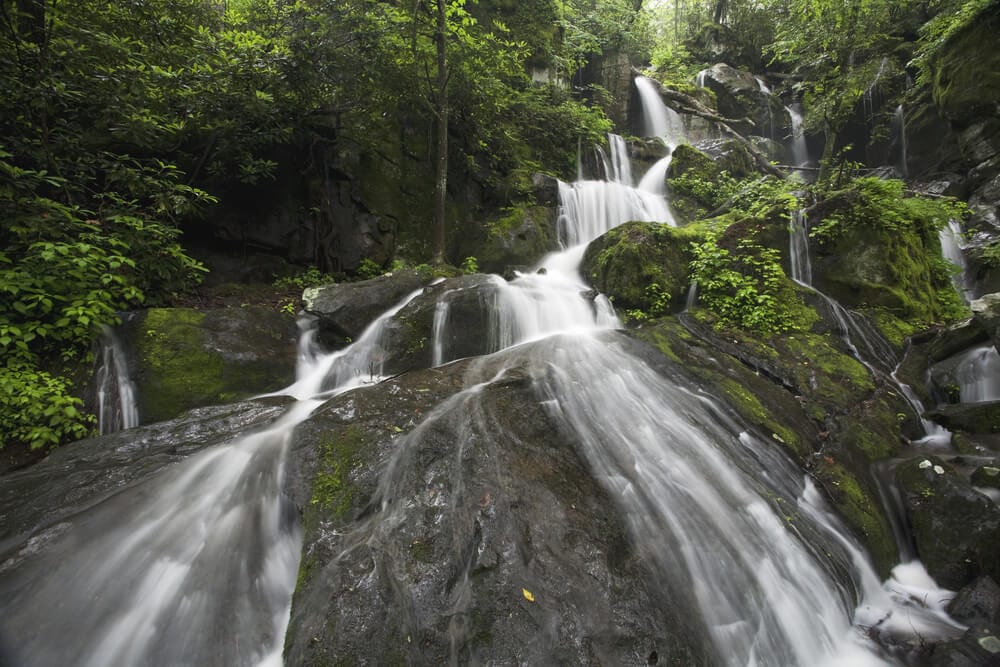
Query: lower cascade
(197, 562)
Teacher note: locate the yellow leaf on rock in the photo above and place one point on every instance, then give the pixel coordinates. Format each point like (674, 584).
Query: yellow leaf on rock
(528, 595)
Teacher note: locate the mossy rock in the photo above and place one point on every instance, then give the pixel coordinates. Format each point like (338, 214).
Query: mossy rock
(186, 358)
(966, 81)
(986, 476)
(956, 529)
(691, 179)
(969, 417)
(859, 505)
(876, 250)
(523, 236)
(625, 262)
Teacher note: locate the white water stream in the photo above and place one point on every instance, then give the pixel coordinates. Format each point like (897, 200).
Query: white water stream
(116, 403)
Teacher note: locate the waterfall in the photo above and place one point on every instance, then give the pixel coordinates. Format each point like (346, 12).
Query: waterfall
(438, 329)
(116, 403)
(977, 374)
(694, 486)
(800, 149)
(899, 132)
(798, 249)
(658, 120)
(951, 237)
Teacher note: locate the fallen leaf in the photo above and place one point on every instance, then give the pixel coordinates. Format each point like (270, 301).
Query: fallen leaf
(528, 595)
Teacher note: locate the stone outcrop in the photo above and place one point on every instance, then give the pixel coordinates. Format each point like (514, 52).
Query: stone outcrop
(183, 358)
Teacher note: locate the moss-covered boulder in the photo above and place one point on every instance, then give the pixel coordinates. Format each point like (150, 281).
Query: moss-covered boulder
(873, 247)
(642, 266)
(969, 417)
(184, 358)
(956, 529)
(523, 236)
(986, 476)
(966, 81)
(692, 183)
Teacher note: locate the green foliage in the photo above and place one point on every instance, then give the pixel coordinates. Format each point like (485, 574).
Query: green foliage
(311, 277)
(37, 409)
(883, 202)
(745, 286)
(659, 302)
(470, 265)
(368, 268)
(953, 17)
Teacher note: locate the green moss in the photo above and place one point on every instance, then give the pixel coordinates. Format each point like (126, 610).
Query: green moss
(894, 329)
(333, 492)
(751, 409)
(182, 372)
(834, 377)
(862, 512)
(627, 261)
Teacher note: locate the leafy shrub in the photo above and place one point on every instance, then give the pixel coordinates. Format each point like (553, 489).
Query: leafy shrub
(746, 288)
(368, 268)
(37, 408)
(311, 277)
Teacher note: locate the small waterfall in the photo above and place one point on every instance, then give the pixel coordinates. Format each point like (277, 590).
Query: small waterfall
(800, 149)
(798, 228)
(701, 78)
(692, 296)
(899, 133)
(116, 403)
(878, 357)
(977, 373)
(951, 238)
(762, 85)
(438, 330)
(143, 576)
(621, 165)
(658, 120)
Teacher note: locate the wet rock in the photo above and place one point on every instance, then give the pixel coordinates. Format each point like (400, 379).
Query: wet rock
(346, 309)
(74, 477)
(955, 528)
(986, 476)
(182, 358)
(409, 336)
(627, 261)
(977, 603)
(969, 417)
(471, 532)
(986, 311)
(740, 98)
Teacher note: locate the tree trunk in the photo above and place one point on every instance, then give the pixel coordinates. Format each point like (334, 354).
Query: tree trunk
(441, 158)
(826, 162)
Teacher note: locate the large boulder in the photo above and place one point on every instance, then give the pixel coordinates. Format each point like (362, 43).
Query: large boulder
(183, 358)
(956, 529)
(641, 266)
(475, 534)
(740, 97)
(986, 312)
(345, 310)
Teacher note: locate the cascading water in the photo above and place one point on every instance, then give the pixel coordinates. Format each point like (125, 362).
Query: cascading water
(800, 149)
(951, 237)
(148, 574)
(116, 404)
(977, 374)
(899, 133)
(877, 357)
(658, 119)
(693, 485)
